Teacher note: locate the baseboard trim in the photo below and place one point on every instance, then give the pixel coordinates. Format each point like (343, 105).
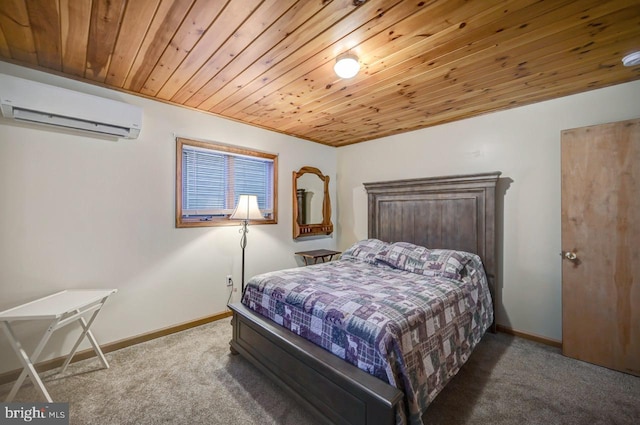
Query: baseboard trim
(532, 337)
(43, 366)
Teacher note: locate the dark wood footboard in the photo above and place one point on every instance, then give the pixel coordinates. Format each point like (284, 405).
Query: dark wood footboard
(338, 392)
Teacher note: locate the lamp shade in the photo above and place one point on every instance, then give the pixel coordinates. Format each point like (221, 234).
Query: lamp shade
(247, 209)
(347, 65)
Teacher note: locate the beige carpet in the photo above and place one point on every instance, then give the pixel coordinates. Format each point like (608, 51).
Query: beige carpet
(190, 378)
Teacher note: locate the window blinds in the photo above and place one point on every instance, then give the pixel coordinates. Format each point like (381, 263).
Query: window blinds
(212, 181)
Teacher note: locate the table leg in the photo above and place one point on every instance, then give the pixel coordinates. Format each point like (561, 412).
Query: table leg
(27, 363)
(86, 332)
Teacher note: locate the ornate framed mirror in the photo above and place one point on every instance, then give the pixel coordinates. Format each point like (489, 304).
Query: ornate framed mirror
(311, 203)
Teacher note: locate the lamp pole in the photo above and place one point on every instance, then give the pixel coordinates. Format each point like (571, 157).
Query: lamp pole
(243, 245)
(246, 210)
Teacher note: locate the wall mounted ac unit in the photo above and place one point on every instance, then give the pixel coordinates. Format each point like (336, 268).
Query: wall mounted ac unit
(33, 102)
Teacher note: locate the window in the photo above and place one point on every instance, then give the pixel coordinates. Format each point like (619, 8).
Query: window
(211, 177)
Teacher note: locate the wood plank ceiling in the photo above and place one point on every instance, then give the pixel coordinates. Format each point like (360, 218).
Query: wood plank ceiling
(269, 63)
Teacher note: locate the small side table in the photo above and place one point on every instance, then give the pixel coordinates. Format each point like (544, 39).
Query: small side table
(60, 309)
(317, 254)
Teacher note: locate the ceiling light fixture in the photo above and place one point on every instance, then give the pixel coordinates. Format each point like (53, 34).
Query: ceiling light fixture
(632, 59)
(347, 65)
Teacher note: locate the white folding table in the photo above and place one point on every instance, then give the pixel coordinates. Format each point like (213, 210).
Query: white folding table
(61, 309)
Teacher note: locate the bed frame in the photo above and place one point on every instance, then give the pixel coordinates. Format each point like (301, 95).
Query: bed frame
(455, 212)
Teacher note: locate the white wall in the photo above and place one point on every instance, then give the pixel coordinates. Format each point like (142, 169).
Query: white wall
(81, 212)
(523, 143)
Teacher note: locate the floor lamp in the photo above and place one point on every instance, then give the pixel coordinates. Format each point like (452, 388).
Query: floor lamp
(246, 210)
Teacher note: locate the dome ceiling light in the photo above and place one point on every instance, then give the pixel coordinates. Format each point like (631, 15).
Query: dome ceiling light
(632, 59)
(347, 65)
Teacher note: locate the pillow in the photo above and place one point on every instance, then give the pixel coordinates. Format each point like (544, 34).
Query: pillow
(404, 256)
(447, 262)
(429, 262)
(365, 250)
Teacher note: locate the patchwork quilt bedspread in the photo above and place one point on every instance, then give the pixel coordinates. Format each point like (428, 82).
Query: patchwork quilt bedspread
(410, 330)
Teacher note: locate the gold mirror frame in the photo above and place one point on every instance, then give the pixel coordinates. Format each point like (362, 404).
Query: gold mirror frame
(323, 228)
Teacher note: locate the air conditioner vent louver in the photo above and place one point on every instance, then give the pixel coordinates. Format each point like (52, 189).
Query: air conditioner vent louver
(32, 102)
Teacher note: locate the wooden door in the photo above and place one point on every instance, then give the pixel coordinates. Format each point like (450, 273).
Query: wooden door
(601, 229)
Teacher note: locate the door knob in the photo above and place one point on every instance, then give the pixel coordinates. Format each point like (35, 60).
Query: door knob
(570, 255)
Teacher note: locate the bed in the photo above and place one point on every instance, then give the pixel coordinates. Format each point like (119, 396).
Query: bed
(455, 213)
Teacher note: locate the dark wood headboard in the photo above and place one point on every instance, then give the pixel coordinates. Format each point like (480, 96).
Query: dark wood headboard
(453, 212)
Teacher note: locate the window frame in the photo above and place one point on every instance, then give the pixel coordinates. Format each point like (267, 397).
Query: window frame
(196, 221)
